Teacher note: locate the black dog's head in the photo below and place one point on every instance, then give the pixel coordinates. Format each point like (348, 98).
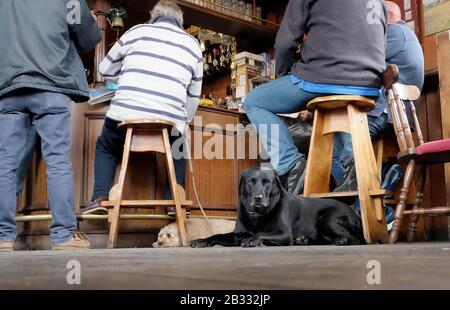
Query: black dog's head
(259, 191)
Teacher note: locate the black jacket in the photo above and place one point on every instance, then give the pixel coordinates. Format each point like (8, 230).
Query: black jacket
(39, 44)
(345, 44)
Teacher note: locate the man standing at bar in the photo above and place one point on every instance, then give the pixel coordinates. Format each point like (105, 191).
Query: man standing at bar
(159, 70)
(343, 54)
(41, 71)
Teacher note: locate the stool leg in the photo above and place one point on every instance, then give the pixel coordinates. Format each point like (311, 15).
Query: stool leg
(114, 214)
(318, 168)
(374, 224)
(180, 213)
(409, 174)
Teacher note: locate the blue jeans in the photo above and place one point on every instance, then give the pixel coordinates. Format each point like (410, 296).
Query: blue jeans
(343, 149)
(108, 153)
(25, 158)
(49, 113)
(280, 96)
(342, 153)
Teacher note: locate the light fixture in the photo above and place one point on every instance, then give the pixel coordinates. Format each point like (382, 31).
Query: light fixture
(115, 17)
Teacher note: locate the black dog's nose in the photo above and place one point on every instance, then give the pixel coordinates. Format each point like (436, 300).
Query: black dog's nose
(258, 199)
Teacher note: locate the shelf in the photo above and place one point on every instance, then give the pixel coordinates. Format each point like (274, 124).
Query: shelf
(258, 35)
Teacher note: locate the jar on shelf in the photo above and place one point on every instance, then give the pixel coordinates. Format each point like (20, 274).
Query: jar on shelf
(234, 7)
(218, 5)
(227, 5)
(248, 12)
(259, 15)
(241, 8)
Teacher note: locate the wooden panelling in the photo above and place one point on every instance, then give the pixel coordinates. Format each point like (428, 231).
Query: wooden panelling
(430, 53)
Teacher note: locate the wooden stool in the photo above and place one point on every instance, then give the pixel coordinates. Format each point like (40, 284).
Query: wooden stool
(146, 136)
(346, 114)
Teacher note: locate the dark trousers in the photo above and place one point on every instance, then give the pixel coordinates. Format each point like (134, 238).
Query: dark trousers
(109, 151)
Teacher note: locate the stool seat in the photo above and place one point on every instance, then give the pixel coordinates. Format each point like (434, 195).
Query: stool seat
(340, 101)
(147, 124)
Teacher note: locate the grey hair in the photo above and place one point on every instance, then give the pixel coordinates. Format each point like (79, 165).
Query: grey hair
(167, 8)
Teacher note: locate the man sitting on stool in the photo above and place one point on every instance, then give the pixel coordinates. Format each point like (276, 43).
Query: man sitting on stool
(343, 55)
(158, 68)
(403, 49)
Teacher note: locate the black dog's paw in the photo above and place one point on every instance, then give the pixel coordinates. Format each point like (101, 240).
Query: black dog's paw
(200, 243)
(251, 242)
(302, 240)
(341, 241)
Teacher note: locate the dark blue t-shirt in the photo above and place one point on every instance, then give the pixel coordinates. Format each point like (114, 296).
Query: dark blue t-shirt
(404, 50)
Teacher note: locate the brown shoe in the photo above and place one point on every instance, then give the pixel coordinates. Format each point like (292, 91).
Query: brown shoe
(171, 211)
(6, 246)
(95, 207)
(79, 241)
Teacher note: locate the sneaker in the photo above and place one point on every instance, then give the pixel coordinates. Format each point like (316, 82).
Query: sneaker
(389, 216)
(295, 178)
(392, 178)
(95, 207)
(79, 241)
(6, 246)
(350, 183)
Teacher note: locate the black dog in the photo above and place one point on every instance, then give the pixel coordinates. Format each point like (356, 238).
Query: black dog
(269, 215)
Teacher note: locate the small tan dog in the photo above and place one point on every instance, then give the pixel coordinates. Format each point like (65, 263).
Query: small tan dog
(196, 228)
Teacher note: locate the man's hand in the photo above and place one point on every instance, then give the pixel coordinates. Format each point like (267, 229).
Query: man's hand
(305, 116)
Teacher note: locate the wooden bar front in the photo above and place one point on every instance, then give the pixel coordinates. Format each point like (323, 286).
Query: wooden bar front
(216, 178)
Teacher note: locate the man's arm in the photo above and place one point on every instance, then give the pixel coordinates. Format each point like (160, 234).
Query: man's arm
(291, 32)
(84, 31)
(194, 91)
(112, 64)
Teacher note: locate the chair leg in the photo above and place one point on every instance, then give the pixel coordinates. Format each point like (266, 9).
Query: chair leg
(409, 174)
(372, 216)
(180, 213)
(412, 228)
(114, 214)
(318, 168)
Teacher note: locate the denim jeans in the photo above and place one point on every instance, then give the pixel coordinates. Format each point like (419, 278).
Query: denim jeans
(263, 104)
(25, 158)
(343, 149)
(109, 151)
(49, 113)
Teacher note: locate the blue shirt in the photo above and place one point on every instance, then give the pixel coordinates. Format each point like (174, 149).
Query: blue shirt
(335, 89)
(402, 49)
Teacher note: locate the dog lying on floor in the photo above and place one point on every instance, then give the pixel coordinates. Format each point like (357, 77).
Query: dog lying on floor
(195, 228)
(269, 215)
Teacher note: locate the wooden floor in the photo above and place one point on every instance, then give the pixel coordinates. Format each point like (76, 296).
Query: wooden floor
(403, 266)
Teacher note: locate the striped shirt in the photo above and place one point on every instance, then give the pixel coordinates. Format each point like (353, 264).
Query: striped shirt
(159, 69)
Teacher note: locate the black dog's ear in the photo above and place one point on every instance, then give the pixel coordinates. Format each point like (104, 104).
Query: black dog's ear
(278, 180)
(278, 187)
(242, 191)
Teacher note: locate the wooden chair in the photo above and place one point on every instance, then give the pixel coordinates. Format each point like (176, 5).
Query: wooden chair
(421, 155)
(346, 114)
(146, 136)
